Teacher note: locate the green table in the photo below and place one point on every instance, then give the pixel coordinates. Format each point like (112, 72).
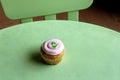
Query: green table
(91, 52)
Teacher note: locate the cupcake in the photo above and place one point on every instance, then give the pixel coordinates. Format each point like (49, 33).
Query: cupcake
(52, 51)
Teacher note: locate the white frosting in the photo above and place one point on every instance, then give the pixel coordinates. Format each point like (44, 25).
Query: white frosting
(50, 50)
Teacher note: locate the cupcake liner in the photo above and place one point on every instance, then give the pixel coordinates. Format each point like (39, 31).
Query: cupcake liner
(52, 59)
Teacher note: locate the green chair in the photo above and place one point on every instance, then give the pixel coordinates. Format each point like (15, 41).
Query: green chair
(27, 9)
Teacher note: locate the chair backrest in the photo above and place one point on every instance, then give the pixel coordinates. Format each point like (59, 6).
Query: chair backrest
(26, 9)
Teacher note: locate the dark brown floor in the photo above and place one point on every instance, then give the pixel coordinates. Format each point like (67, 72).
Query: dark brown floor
(96, 14)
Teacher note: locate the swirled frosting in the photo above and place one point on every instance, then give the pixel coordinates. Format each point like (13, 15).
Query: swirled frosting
(53, 46)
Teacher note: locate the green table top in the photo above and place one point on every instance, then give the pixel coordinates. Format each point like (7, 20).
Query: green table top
(91, 52)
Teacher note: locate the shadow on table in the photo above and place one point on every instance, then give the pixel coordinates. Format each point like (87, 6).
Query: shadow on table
(35, 57)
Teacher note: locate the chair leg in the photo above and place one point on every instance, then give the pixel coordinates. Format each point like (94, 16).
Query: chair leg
(73, 15)
(50, 17)
(26, 20)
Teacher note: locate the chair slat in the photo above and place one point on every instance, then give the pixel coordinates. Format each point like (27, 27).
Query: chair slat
(73, 15)
(26, 20)
(50, 17)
